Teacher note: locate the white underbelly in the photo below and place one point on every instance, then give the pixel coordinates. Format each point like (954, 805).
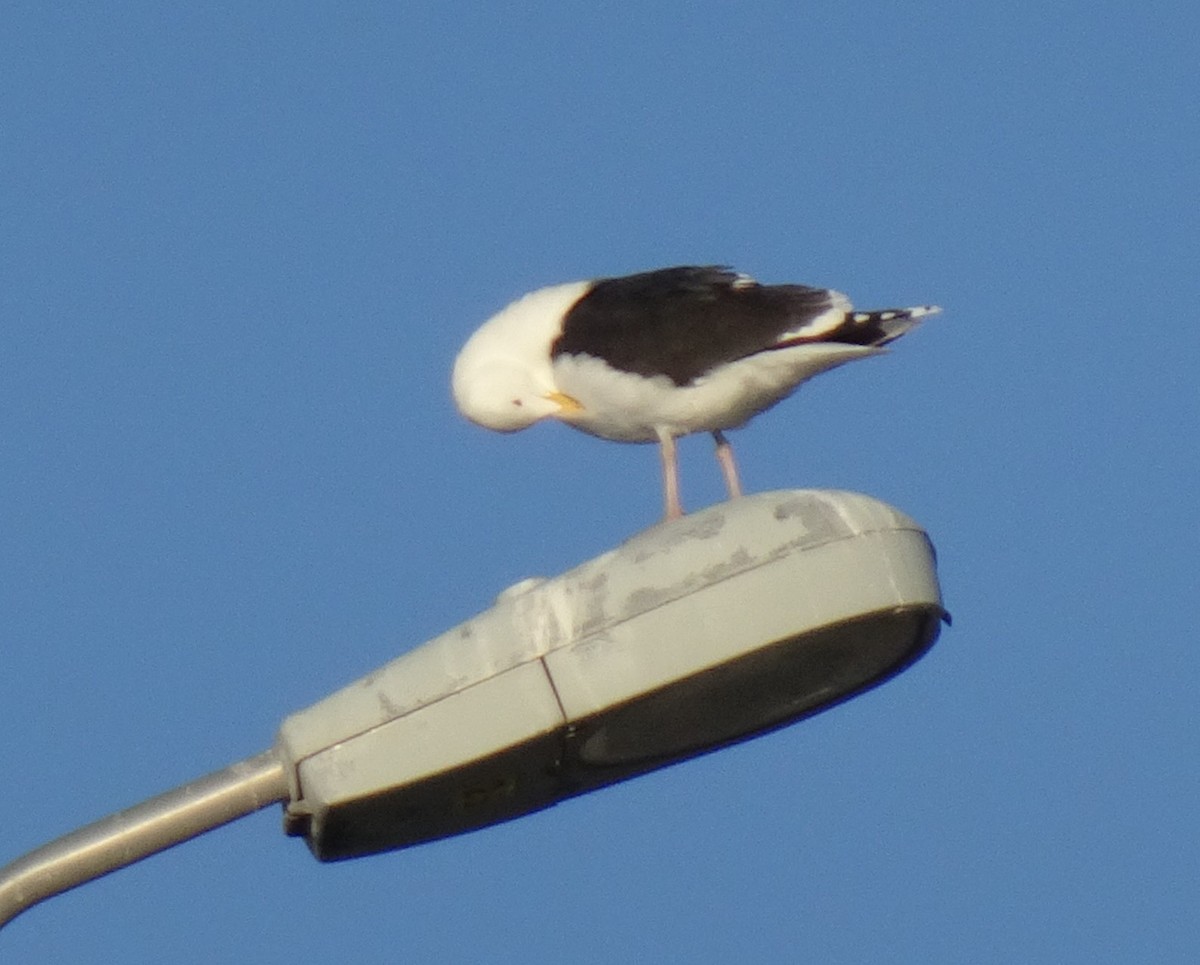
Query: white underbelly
(633, 408)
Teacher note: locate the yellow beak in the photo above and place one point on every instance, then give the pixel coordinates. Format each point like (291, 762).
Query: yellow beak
(566, 404)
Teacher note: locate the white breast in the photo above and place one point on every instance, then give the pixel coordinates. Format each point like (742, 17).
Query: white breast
(630, 408)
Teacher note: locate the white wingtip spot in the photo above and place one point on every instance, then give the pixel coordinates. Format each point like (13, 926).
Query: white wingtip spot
(922, 310)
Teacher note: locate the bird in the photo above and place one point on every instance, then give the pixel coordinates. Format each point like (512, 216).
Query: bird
(660, 354)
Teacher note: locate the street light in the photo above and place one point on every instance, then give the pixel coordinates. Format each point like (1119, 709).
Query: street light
(692, 635)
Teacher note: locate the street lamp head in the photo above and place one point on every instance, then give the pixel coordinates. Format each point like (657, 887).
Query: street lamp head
(695, 634)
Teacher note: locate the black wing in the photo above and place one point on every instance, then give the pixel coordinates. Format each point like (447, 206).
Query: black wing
(683, 322)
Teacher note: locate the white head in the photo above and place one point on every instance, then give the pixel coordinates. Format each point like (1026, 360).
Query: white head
(503, 378)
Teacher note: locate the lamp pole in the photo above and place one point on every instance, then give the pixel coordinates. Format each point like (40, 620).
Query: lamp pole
(693, 635)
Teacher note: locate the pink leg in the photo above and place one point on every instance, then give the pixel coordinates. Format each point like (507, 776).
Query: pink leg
(670, 471)
(728, 466)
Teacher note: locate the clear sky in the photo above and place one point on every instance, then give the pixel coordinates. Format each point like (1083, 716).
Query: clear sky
(240, 244)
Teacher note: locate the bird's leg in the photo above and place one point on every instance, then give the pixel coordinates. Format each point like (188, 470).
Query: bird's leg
(728, 466)
(670, 471)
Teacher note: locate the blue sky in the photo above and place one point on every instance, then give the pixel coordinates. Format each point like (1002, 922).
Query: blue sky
(240, 246)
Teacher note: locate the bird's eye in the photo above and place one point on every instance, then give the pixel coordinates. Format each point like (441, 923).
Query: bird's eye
(517, 402)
